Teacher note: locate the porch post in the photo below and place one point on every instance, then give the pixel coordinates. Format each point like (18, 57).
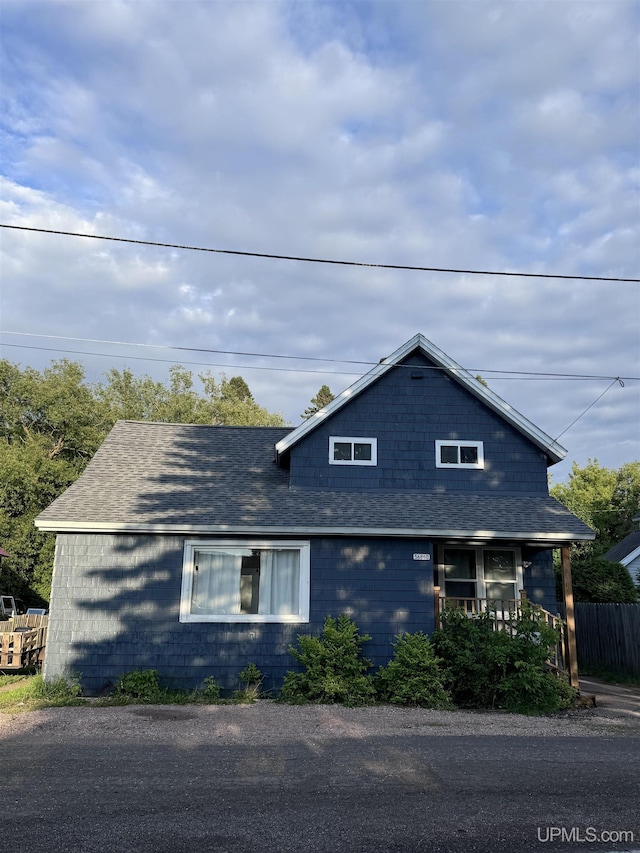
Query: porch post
(569, 615)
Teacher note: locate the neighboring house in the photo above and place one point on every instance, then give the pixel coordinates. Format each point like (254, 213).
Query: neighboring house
(627, 552)
(195, 550)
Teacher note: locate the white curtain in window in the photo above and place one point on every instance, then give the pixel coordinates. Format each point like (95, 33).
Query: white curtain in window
(216, 583)
(279, 582)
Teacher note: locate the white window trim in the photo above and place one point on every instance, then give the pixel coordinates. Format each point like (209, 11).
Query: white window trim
(479, 445)
(338, 439)
(193, 545)
(481, 586)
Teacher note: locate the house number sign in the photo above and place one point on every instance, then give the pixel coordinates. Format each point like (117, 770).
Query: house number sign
(422, 556)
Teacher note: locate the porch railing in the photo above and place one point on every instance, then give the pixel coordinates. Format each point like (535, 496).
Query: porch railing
(505, 612)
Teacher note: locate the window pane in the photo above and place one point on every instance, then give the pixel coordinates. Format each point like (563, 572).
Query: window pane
(469, 455)
(459, 589)
(449, 454)
(362, 451)
(216, 583)
(459, 564)
(342, 450)
(505, 591)
(280, 582)
(499, 566)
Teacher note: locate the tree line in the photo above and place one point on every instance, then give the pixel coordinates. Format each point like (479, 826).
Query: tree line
(52, 422)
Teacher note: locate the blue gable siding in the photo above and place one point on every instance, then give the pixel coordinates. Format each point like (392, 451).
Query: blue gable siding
(407, 415)
(115, 608)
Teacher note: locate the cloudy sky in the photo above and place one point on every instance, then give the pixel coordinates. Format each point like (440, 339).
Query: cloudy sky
(470, 135)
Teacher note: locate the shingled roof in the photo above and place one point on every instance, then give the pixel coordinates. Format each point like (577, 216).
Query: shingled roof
(159, 477)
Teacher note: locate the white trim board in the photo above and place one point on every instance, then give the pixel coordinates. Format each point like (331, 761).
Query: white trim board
(560, 538)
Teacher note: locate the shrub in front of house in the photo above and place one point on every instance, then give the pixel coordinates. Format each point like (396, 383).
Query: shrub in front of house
(413, 676)
(251, 679)
(334, 669)
(488, 668)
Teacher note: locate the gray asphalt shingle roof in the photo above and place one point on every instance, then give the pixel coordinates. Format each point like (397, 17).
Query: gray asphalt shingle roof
(624, 548)
(181, 477)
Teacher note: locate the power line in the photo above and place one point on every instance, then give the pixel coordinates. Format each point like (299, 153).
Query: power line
(189, 363)
(503, 374)
(315, 260)
(590, 406)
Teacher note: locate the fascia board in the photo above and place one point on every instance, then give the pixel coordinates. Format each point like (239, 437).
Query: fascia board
(52, 526)
(551, 447)
(345, 396)
(631, 556)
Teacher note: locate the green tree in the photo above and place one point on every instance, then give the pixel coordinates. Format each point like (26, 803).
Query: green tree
(231, 403)
(607, 500)
(51, 424)
(322, 399)
(49, 429)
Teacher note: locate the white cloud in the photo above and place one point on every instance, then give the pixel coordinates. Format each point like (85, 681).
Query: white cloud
(467, 135)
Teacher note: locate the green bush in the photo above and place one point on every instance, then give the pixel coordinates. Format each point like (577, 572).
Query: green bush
(334, 669)
(597, 579)
(485, 668)
(413, 676)
(140, 686)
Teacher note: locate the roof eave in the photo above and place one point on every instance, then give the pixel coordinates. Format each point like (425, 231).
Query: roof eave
(105, 527)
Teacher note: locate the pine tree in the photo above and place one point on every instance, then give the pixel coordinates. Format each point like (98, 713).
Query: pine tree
(322, 399)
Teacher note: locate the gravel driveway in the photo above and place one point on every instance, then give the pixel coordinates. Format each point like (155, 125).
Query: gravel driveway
(617, 712)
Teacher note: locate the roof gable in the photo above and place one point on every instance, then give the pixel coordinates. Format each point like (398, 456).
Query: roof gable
(554, 451)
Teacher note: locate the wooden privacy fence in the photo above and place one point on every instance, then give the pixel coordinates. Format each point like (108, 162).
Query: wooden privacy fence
(22, 641)
(608, 635)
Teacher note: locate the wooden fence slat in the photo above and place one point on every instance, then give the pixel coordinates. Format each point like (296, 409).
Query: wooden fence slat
(20, 648)
(608, 635)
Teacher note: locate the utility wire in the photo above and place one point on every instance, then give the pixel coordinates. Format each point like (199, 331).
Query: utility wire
(504, 374)
(314, 260)
(324, 372)
(590, 406)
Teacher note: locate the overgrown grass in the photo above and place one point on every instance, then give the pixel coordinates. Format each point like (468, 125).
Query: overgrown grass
(33, 693)
(6, 680)
(143, 687)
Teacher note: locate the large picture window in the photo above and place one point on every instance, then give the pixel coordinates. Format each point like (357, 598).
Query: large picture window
(234, 581)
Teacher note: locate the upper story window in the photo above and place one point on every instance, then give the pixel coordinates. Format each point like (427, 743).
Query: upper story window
(235, 581)
(459, 454)
(345, 450)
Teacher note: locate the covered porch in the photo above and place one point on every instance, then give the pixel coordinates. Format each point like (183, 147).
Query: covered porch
(504, 598)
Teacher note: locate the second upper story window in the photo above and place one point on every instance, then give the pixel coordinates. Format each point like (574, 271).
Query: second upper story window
(459, 454)
(344, 450)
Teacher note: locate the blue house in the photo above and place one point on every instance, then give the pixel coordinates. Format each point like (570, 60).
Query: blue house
(194, 550)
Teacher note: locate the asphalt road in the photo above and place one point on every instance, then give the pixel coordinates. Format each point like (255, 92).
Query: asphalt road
(402, 793)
